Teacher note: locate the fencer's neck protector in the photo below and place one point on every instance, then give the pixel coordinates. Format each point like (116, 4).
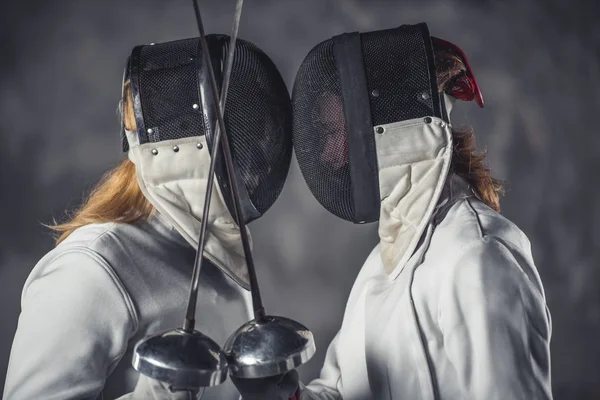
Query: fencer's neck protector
(346, 87)
(172, 100)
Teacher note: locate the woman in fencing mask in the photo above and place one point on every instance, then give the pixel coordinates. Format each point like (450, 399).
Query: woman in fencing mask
(449, 305)
(122, 266)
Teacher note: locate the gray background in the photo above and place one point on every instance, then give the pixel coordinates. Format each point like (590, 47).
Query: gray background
(538, 66)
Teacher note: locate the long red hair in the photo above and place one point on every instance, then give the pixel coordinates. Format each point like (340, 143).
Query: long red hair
(116, 198)
(467, 161)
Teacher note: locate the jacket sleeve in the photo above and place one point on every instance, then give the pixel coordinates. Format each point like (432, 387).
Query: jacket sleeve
(496, 326)
(326, 386)
(75, 323)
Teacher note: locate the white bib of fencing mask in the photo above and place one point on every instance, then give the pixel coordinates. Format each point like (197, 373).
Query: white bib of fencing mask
(175, 182)
(413, 159)
(371, 137)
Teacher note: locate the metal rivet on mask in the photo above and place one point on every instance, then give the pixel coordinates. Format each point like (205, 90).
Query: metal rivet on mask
(443, 125)
(150, 131)
(379, 129)
(175, 149)
(428, 120)
(195, 106)
(375, 93)
(199, 145)
(154, 151)
(425, 95)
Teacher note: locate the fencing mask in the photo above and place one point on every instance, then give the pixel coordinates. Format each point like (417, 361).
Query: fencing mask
(371, 131)
(175, 120)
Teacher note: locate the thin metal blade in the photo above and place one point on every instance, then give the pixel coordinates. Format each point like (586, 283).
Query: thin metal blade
(219, 134)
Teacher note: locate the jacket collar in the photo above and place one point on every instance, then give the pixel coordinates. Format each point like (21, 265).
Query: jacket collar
(456, 188)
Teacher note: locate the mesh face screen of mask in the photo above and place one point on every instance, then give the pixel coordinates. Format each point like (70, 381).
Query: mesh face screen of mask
(258, 118)
(169, 89)
(320, 131)
(257, 112)
(396, 68)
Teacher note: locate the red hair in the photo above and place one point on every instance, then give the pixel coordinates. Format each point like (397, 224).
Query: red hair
(467, 161)
(116, 198)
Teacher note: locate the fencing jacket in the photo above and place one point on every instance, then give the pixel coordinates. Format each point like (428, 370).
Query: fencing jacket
(92, 298)
(464, 318)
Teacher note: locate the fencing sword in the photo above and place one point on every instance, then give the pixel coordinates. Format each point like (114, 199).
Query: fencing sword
(266, 345)
(184, 358)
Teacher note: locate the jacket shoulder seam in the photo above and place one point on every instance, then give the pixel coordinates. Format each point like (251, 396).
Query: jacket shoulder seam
(91, 241)
(475, 214)
(116, 280)
(110, 272)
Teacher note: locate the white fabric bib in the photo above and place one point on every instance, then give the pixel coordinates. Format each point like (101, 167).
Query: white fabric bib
(413, 158)
(175, 183)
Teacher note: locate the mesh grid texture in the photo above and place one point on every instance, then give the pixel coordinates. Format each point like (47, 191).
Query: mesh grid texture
(257, 112)
(168, 90)
(258, 120)
(396, 67)
(320, 131)
(399, 89)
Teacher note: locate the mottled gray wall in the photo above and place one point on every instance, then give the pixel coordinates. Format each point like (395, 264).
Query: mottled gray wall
(538, 66)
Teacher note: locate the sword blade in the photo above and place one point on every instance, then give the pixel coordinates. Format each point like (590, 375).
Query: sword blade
(220, 133)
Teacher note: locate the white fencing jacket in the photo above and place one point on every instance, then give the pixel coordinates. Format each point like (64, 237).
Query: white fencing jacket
(464, 318)
(88, 301)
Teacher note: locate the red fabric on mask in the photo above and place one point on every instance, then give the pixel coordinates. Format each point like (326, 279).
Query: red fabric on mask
(465, 86)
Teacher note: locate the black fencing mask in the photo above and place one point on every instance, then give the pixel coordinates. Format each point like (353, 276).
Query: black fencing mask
(175, 115)
(347, 86)
(172, 100)
(372, 133)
